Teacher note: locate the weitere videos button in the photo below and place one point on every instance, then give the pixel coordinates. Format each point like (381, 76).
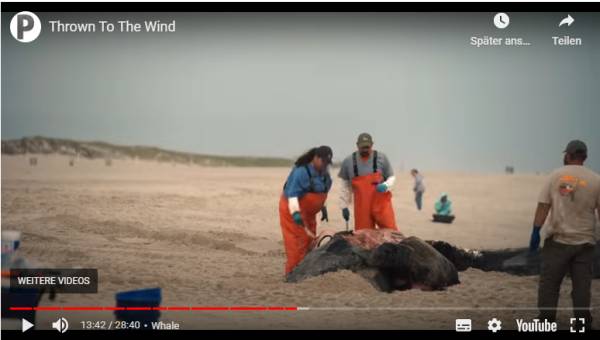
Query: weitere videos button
(59, 280)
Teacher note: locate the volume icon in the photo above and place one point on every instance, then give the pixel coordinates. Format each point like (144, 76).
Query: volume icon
(61, 325)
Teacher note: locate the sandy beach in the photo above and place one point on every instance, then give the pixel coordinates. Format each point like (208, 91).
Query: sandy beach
(210, 236)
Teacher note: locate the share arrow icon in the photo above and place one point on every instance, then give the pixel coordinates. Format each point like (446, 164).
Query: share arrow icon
(568, 21)
(25, 325)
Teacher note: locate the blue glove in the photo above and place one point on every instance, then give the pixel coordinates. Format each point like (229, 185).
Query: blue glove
(534, 243)
(382, 187)
(297, 218)
(346, 214)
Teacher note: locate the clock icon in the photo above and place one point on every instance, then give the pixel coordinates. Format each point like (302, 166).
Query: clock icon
(501, 20)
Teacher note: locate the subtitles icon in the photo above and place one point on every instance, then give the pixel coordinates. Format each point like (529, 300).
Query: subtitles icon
(463, 325)
(61, 325)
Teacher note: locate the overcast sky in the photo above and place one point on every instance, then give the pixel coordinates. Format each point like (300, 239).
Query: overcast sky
(277, 84)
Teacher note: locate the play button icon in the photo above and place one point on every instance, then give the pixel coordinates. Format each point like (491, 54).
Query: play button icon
(25, 325)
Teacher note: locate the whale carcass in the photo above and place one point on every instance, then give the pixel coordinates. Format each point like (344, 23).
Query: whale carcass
(392, 261)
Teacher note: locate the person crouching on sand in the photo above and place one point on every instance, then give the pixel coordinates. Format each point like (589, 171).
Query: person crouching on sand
(304, 195)
(443, 207)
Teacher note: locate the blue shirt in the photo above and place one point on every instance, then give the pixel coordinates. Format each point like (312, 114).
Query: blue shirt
(299, 182)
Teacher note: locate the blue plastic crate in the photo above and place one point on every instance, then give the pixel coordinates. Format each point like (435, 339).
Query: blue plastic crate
(150, 297)
(22, 297)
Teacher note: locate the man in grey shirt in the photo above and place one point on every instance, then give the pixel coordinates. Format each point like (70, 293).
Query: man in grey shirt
(367, 177)
(572, 195)
(419, 188)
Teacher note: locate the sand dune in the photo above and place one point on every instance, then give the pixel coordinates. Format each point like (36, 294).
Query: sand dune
(210, 236)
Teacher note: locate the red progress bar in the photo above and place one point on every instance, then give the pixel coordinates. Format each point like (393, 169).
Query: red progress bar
(283, 308)
(46, 308)
(210, 308)
(248, 308)
(170, 308)
(82, 308)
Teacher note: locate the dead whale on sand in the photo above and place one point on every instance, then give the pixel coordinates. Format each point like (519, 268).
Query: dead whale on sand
(391, 261)
(388, 259)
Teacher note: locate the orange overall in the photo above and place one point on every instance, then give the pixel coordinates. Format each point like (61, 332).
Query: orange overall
(295, 239)
(370, 206)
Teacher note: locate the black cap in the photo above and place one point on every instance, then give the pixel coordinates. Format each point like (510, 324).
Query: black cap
(325, 153)
(576, 146)
(364, 140)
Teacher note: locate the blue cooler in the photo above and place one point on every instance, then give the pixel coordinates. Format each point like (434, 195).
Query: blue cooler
(22, 297)
(150, 297)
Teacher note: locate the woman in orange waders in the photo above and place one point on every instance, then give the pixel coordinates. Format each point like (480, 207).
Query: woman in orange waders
(304, 195)
(368, 177)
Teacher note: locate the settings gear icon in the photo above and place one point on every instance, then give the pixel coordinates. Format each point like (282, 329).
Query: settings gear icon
(494, 325)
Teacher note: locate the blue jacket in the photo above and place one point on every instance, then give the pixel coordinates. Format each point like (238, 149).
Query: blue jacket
(299, 182)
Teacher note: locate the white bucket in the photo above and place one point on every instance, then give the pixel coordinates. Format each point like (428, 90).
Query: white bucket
(11, 239)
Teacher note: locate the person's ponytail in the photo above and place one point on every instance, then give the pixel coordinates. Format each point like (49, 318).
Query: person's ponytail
(306, 158)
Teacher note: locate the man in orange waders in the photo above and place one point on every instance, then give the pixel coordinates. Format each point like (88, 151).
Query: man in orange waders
(304, 195)
(368, 177)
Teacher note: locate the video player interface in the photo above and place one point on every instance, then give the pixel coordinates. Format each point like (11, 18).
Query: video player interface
(290, 170)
